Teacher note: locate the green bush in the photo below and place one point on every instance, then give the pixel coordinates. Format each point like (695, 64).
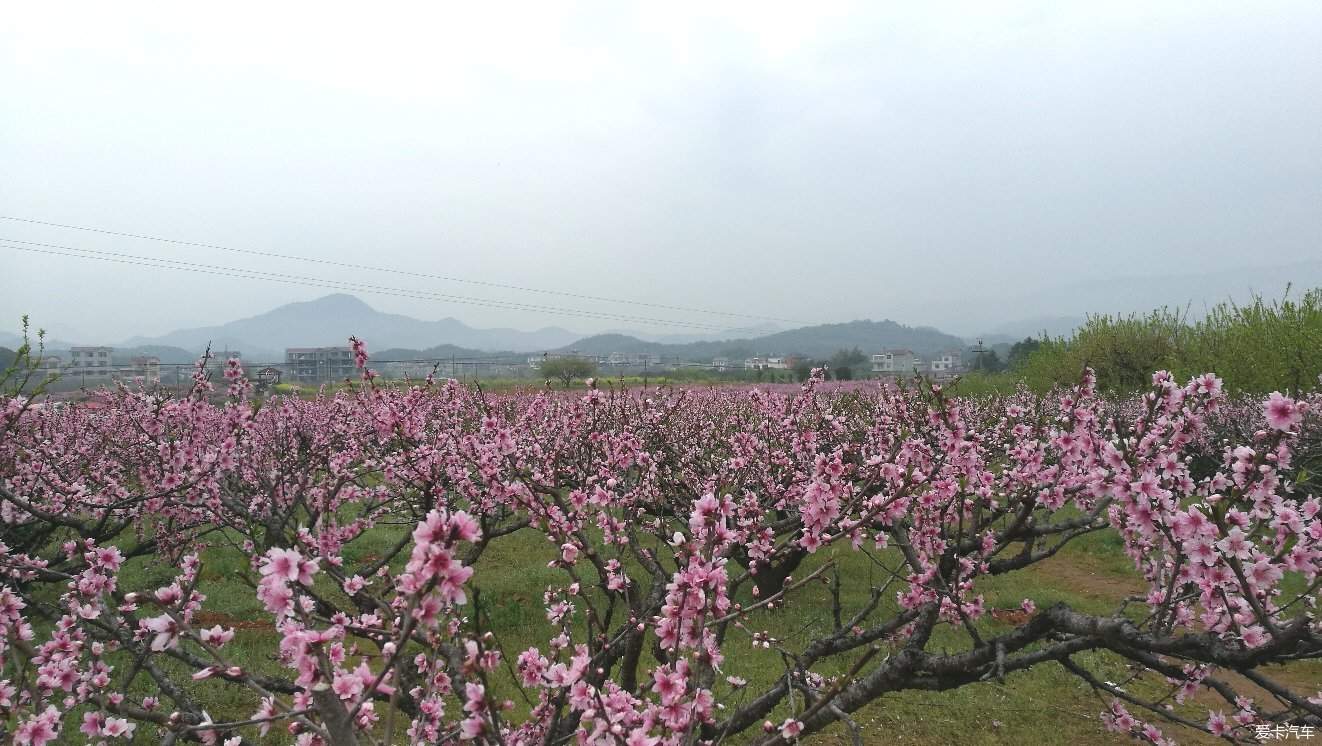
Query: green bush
(1258, 347)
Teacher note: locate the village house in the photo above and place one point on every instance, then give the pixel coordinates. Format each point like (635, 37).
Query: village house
(316, 364)
(894, 362)
(947, 362)
(90, 364)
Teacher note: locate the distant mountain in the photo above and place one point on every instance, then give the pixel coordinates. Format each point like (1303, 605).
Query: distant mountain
(123, 355)
(14, 341)
(329, 320)
(747, 332)
(819, 341)
(439, 352)
(166, 354)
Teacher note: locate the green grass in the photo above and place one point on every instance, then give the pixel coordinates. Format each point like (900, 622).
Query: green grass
(1043, 705)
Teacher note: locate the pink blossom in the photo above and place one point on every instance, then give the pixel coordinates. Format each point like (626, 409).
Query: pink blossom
(790, 729)
(1255, 637)
(568, 553)
(217, 635)
(116, 727)
(1235, 545)
(166, 631)
(1282, 412)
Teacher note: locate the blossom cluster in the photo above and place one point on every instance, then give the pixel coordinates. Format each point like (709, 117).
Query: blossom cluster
(676, 523)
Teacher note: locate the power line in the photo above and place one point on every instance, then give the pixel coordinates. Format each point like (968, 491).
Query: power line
(410, 273)
(251, 274)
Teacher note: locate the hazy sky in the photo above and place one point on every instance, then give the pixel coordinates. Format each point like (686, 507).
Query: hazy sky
(810, 161)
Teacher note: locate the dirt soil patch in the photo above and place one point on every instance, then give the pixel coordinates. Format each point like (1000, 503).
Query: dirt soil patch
(1086, 576)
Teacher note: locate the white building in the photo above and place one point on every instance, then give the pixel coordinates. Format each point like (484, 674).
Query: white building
(947, 362)
(90, 364)
(894, 362)
(768, 363)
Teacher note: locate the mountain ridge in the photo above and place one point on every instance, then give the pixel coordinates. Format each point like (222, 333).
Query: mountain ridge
(820, 341)
(328, 320)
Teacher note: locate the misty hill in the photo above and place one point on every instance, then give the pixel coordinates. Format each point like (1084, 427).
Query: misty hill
(14, 341)
(812, 341)
(166, 354)
(60, 348)
(329, 320)
(439, 352)
(671, 338)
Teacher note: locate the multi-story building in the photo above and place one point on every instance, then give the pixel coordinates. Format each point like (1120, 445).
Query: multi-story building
(317, 364)
(90, 364)
(947, 362)
(894, 362)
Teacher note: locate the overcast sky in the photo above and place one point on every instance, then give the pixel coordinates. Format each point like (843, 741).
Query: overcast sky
(926, 162)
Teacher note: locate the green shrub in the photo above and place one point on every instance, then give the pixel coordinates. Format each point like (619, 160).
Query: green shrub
(1258, 347)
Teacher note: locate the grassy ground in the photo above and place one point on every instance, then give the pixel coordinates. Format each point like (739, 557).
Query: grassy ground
(1043, 705)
